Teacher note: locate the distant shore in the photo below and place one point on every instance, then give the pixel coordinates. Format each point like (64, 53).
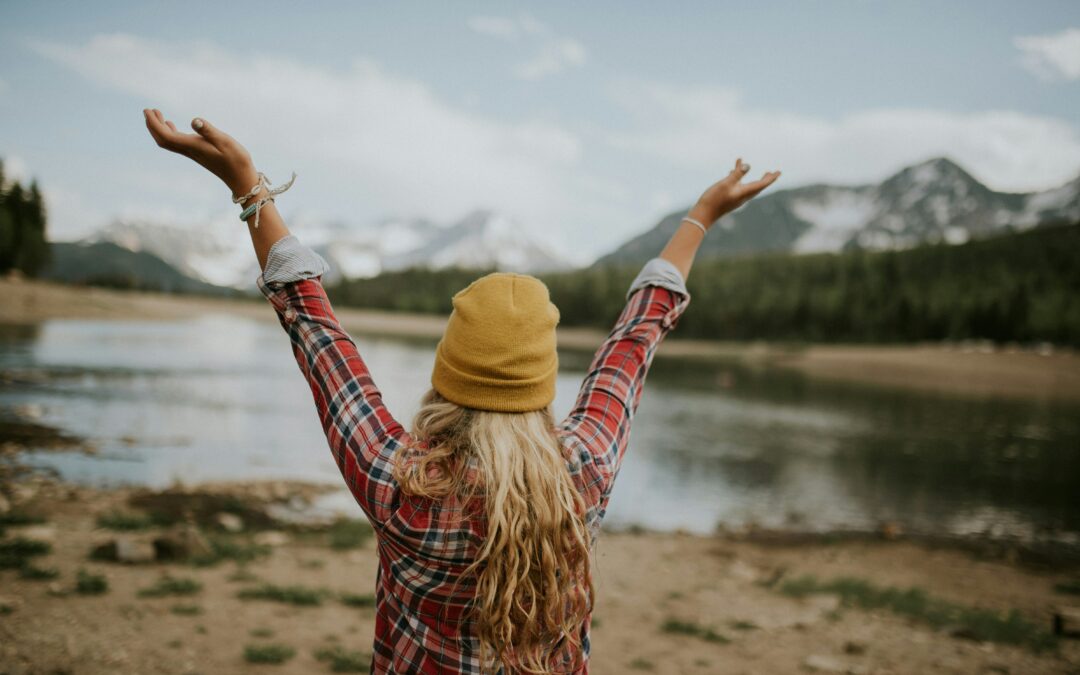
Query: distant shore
(968, 370)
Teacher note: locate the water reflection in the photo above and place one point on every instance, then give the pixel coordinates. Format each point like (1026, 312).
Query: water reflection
(221, 398)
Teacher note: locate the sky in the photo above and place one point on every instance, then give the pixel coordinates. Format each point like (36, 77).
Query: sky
(583, 122)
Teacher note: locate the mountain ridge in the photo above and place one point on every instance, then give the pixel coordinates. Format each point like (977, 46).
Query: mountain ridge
(934, 200)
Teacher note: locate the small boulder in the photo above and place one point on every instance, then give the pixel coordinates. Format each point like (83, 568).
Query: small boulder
(134, 551)
(272, 538)
(181, 542)
(230, 522)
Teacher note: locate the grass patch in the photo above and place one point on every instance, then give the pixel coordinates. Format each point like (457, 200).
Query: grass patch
(738, 624)
(1071, 587)
(290, 595)
(271, 653)
(261, 632)
(88, 583)
(186, 610)
(357, 599)
(125, 521)
(349, 533)
(31, 571)
(242, 574)
(678, 627)
(175, 644)
(915, 603)
(344, 661)
(170, 585)
(642, 664)
(224, 547)
(13, 553)
(16, 518)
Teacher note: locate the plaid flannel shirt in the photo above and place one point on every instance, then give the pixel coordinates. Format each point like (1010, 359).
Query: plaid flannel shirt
(424, 546)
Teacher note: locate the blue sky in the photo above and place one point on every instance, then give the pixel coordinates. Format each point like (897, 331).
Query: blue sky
(583, 121)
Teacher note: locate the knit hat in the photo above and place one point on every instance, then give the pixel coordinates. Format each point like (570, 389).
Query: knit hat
(498, 351)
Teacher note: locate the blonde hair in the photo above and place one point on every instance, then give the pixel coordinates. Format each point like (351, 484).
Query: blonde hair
(534, 587)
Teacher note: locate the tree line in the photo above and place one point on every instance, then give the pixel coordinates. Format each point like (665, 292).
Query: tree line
(23, 244)
(1021, 287)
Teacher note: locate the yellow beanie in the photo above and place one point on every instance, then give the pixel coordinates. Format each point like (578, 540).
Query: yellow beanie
(498, 351)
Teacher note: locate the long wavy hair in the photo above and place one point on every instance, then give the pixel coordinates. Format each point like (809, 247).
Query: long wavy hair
(534, 586)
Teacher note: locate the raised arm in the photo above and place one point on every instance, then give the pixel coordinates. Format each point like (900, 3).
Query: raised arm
(657, 297)
(362, 434)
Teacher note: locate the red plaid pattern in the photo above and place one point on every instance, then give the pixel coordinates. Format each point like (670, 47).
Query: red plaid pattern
(424, 546)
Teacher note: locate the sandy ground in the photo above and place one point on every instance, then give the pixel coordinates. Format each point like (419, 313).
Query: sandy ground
(643, 581)
(975, 370)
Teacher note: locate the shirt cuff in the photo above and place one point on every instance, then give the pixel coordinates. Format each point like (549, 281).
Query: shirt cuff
(289, 260)
(659, 272)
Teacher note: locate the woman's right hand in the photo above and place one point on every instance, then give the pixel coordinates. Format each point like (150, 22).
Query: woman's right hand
(213, 149)
(728, 194)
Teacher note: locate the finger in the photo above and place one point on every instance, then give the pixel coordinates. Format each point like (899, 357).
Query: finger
(218, 138)
(166, 135)
(738, 172)
(757, 186)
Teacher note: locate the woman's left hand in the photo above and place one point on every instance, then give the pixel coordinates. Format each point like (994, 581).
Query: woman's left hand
(214, 149)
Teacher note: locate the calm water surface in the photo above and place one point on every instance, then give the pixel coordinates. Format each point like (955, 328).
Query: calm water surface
(221, 398)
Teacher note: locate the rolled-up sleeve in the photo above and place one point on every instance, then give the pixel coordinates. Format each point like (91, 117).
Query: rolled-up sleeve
(289, 260)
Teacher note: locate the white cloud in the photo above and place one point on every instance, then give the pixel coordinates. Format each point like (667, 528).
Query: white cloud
(553, 53)
(363, 135)
(1053, 56)
(495, 26)
(703, 128)
(15, 169)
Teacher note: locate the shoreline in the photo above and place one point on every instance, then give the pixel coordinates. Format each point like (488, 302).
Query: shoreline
(970, 370)
(666, 602)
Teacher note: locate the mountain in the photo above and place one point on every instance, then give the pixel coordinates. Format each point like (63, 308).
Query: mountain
(107, 264)
(933, 201)
(220, 253)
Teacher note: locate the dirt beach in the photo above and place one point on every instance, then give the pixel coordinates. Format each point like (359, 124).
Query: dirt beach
(300, 594)
(966, 369)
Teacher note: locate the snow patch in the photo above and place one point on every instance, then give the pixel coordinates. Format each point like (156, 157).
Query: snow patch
(834, 220)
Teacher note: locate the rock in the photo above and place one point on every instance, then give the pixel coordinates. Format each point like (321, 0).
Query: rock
(134, 551)
(230, 522)
(822, 663)
(8, 604)
(181, 542)
(125, 549)
(854, 648)
(272, 538)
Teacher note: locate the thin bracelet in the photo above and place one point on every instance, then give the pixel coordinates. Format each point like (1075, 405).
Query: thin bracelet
(704, 230)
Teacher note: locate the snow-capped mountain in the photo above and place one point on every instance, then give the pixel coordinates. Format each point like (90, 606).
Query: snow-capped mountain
(935, 201)
(220, 253)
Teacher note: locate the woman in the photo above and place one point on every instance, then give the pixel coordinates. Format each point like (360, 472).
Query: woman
(487, 511)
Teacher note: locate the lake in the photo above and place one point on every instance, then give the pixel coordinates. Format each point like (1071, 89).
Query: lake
(220, 397)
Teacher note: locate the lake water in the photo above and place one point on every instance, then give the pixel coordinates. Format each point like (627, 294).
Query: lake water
(220, 397)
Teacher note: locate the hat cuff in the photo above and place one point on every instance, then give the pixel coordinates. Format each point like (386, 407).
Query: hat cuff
(494, 394)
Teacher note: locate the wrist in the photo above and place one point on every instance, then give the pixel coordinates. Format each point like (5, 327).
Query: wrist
(703, 214)
(243, 181)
